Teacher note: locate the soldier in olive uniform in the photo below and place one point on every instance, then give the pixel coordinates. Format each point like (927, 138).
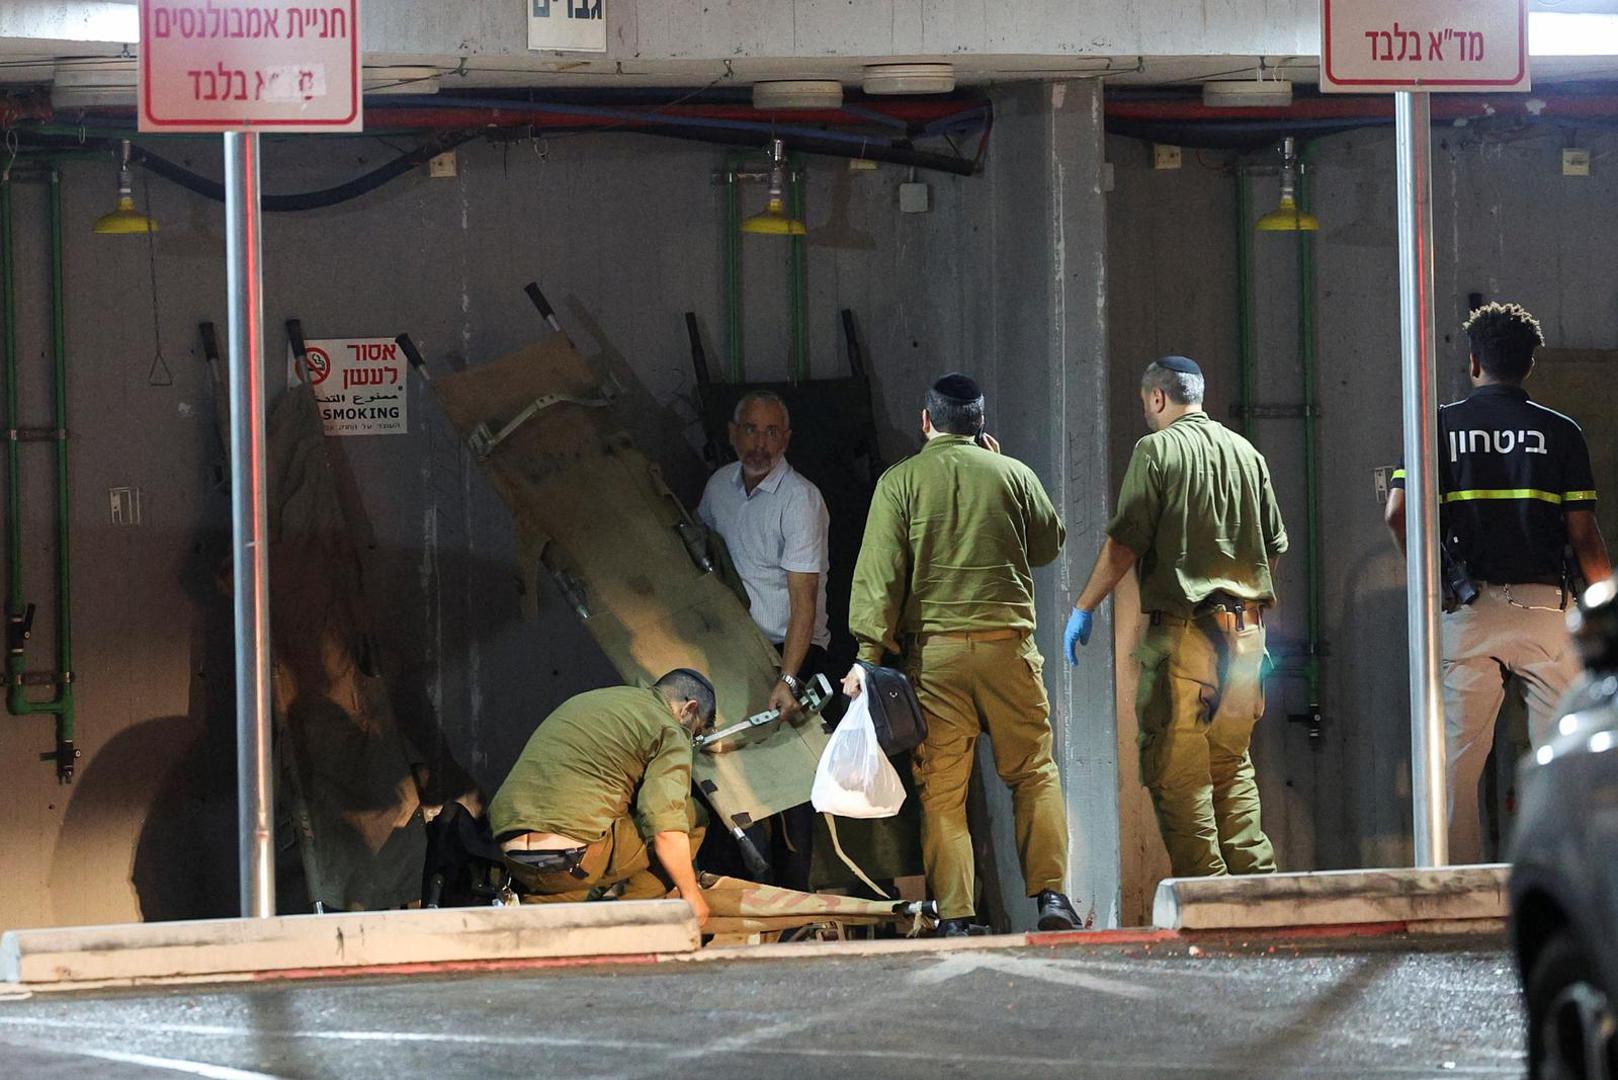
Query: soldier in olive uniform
(602, 792)
(1198, 516)
(944, 579)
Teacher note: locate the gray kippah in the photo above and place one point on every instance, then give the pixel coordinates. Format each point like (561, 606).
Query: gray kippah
(1183, 364)
(959, 388)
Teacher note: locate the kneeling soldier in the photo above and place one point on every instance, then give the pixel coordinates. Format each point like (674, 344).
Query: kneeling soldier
(602, 789)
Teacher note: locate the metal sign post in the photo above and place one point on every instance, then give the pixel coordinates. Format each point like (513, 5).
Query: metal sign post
(250, 562)
(280, 66)
(1414, 48)
(1413, 138)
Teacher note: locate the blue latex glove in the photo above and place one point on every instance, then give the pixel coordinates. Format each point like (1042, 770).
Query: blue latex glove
(1077, 634)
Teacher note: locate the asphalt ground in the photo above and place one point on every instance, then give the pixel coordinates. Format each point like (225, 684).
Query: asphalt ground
(1387, 1007)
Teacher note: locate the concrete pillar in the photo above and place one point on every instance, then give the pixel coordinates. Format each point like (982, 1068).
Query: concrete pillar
(1043, 321)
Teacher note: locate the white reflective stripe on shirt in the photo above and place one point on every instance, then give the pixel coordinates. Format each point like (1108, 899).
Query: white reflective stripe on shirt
(780, 528)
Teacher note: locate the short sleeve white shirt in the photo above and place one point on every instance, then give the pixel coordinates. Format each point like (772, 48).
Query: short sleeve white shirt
(780, 527)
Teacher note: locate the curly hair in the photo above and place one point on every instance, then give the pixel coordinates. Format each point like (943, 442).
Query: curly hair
(1504, 337)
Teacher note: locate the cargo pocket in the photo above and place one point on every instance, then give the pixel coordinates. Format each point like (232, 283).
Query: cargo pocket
(1154, 708)
(1032, 656)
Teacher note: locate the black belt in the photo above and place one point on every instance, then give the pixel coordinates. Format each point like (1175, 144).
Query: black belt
(564, 861)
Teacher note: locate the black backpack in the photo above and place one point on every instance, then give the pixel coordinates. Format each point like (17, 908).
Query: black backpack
(895, 712)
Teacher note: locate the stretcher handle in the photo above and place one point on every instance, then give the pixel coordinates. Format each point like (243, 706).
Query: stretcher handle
(413, 355)
(210, 342)
(699, 355)
(295, 336)
(546, 312)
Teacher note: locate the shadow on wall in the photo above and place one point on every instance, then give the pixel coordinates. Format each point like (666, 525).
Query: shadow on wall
(183, 864)
(1376, 704)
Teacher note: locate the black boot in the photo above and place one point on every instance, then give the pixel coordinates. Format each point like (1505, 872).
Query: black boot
(961, 927)
(1056, 912)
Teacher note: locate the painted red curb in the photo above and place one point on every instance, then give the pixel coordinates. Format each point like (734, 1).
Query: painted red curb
(453, 967)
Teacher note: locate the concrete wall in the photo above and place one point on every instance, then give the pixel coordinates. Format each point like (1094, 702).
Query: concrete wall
(624, 233)
(1507, 224)
(735, 29)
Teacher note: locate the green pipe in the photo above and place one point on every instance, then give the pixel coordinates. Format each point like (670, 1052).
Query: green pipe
(14, 604)
(1244, 301)
(17, 702)
(64, 517)
(733, 268)
(1311, 469)
(798, 278)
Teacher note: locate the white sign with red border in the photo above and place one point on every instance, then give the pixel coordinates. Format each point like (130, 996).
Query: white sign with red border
(226, 65)
(359, 384)
(1440, 45)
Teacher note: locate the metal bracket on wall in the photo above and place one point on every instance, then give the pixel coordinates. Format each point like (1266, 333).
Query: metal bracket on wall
(43, 678)
(1315, 723)
(41, 434)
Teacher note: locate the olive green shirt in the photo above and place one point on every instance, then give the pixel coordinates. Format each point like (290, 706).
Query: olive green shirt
(1198, 510)
(949, 544)
(597, 755)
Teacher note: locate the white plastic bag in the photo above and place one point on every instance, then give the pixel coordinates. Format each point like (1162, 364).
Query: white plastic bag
(855, 778)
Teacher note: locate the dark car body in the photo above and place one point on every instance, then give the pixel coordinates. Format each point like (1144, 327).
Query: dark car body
(1564, 876)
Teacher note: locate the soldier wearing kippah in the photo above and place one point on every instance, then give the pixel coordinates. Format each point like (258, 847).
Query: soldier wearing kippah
(1198, 518)
(944, 579)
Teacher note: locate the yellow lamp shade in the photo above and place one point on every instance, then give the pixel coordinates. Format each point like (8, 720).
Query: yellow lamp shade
(124, 220)
(1287, 218)
(774, 222)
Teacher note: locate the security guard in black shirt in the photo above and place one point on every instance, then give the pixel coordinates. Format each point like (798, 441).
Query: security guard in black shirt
(1517, 493)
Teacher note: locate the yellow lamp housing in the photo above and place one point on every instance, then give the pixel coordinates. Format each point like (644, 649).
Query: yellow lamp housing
(124, 219)
(774, 220)
(1287, 218)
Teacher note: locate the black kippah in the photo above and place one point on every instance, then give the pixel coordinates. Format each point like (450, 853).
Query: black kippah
(1183, 364)
(958, 387)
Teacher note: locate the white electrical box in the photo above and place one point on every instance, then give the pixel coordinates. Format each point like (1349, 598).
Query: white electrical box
(1575, 163)
(914, 198)
(1165, 157)
(125, 505)
(443, 165)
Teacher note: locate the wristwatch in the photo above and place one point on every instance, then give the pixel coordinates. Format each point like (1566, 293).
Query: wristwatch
(794, 683)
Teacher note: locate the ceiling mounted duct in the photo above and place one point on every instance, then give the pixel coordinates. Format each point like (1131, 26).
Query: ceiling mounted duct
(1247, 94)
(776, 94)
(909, 78)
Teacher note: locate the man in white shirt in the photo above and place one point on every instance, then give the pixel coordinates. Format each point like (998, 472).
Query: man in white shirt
(775, 524)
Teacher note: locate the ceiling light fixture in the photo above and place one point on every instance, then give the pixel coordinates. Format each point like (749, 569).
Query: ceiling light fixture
(1247, 94)
(123, 219)
(1286, 217)
(774, 220)
(773, 94)
(909, 78)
